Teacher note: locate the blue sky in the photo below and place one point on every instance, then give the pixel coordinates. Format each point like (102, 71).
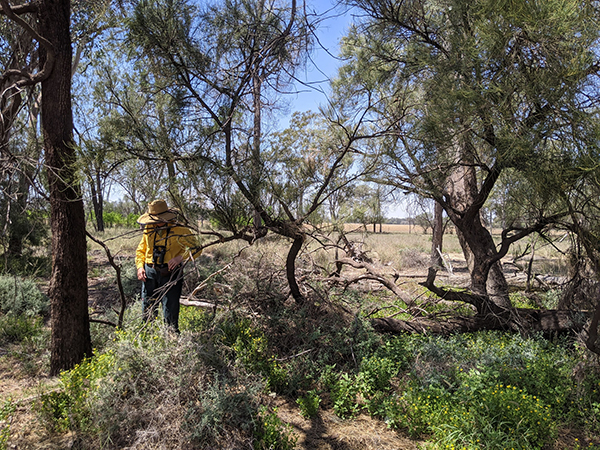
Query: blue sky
(324, 65)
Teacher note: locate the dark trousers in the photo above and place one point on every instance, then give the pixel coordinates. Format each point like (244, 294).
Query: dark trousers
(165, 289)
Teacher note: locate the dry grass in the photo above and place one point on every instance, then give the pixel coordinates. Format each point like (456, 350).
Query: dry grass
(398, 246)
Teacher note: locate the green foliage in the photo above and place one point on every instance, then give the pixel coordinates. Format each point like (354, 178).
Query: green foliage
(272, 433)
(19, 328)
(376, 373)
(194, 319)
(220, 405)
(116, 219)
(26, 265)
(498, 415)
(503, 390)
(112, 219)
(309, 404)
(344, 396)
(21, 296)
(69, 408)
(114, 396)
(6, 412)
(251, 347)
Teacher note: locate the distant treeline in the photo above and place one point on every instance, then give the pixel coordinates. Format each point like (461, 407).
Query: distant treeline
(400, 221)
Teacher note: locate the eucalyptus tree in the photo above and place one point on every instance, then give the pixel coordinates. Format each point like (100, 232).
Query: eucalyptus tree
(467, 90)
(47, 22)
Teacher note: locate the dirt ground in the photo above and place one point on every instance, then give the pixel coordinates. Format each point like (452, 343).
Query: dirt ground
(329, 432)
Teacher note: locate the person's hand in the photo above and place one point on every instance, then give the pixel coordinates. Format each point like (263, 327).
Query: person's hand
(175, 262)
(141, 274)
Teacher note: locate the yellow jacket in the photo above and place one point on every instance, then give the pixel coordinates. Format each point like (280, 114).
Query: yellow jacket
(178, 239)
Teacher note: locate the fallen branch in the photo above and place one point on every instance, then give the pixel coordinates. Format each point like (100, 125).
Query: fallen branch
(372, 274)
(552, 321)
(196, 303)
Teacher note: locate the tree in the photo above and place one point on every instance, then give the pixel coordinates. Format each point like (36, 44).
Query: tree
(71, 340)
(18, 158)
(228, 59)
(466, 91)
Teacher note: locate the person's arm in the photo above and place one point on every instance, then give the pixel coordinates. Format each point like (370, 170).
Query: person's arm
(140, 258)
(187, 242)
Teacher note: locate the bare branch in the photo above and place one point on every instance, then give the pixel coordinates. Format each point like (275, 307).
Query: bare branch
(28, 79)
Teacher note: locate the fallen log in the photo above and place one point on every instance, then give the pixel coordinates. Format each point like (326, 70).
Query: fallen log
(199, 304)
(545, 321)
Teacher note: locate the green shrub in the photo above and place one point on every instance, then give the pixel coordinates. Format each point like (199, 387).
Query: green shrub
(69, 407)
(219, 408)
(501, 416)
(21, 296)
(6, 412)
(26, 265)
(251, 347)
(203, 399)
(112, 219)
(19, 328)
(131, 220)
(503, 390)
(194, 319)
(272, 433)
(344, 396)
(309, 404)
(376, 373)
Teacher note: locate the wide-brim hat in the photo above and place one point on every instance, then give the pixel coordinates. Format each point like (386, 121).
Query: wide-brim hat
(158, 212)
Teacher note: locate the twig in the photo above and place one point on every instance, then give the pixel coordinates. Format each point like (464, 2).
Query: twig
(117, 268)
(287, 358)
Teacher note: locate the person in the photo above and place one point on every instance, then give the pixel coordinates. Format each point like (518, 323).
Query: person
(164, 246)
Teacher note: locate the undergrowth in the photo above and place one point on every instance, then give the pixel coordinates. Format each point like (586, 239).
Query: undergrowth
(212, 386)
(7, 410)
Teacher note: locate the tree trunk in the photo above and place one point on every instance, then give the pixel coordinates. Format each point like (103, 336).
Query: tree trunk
(290, 269)
(479, 249)
(256, 143)
(20, 225)
(68, 290)
(97, 203)
(437, 236)
(464, 209)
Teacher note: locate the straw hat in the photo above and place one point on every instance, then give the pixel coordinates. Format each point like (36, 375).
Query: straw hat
(158, 212)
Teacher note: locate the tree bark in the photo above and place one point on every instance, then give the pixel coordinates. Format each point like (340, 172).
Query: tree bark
(68, 290)
(479, 249)
(97, 202)
(290, 269)
(552, 321)
(463, 206)
(437, 236)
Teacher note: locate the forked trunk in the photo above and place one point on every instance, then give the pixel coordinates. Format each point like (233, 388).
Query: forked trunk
(464, 203)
